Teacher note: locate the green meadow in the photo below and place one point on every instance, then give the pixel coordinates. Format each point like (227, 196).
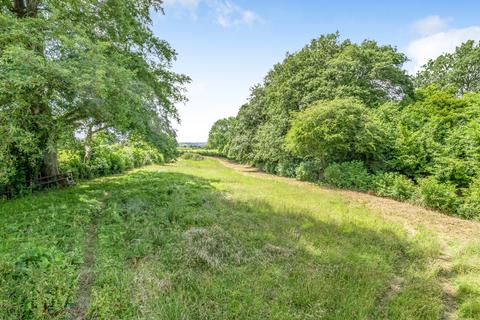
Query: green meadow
(199, 239)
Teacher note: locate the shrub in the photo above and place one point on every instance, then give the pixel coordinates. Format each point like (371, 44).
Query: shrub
(348, 175)
(108, 159)
(393, 185)
(200, 151)
(309, 170)
(70, 161)
(436, 195)
(99, 166)
(286, 169)
(470, 208)
(270, 167)
(117, 161)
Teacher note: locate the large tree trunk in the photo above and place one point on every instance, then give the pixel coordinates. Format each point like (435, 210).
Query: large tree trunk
(43, 124)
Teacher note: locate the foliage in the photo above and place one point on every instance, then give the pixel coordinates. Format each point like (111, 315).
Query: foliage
(269, 167)
(109, 158)
(470, 207)
(309, 170)
(460, 69)
(348, 175)
(192, 156)
(200, 151)
(286, 168)
(335, 101)
(325, 69)
(80, 66)
(220, 134)
(438, 134)
(436, 195)
(248, 120)
(335, 131)
(393, 185)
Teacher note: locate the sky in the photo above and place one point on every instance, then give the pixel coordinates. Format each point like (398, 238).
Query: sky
(227, 46)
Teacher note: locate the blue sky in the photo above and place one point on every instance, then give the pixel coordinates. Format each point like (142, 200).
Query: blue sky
(227, 46)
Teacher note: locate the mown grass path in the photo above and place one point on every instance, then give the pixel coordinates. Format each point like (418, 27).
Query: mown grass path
(214, 240)
(87, 271)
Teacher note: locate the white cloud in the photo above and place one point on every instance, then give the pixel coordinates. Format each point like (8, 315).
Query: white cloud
(182, 6)
(229, 14)
(431, 46)
(430, 25)
(226, 13)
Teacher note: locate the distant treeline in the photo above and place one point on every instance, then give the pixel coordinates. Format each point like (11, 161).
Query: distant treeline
(349, 115)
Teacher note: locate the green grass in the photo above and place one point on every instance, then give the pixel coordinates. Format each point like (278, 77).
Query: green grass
(197, 240)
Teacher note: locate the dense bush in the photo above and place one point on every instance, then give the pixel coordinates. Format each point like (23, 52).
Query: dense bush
(309, 170)
(471, 206)
(108, 159)
(348, 175)
(436, 195)
(71, 161)
(269, 167)
(286, 168)
(393, 185)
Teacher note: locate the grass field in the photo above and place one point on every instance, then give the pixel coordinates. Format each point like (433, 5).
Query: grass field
(202, 240)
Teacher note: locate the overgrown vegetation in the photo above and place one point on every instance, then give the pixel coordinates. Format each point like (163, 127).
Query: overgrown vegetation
(107, 156)
(195, 239)
(347, 114)
(78, 68)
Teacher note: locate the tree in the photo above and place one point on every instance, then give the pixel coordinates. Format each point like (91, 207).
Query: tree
(325, 69)
(248, 119)
(335, 131)
(460, 69)
(439, 134)
(219, 136)
(70, 65)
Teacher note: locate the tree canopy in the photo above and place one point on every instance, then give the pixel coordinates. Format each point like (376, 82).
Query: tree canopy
(65, 66)
(325, 69)
(219, 135)
(460, 69)
(349, 114)
(335, 131)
